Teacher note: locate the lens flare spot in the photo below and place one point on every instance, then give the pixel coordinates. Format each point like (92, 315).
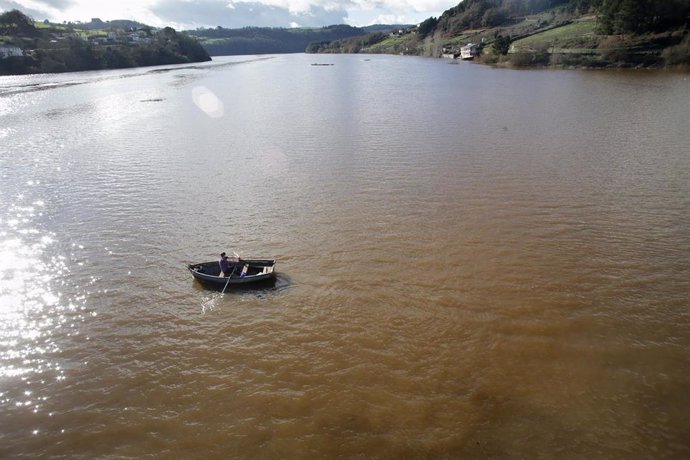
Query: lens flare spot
(208, 102)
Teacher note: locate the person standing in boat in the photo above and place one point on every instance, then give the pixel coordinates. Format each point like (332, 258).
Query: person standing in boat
(224, 265)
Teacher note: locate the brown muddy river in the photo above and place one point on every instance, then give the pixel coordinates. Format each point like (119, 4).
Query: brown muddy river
(472, 262)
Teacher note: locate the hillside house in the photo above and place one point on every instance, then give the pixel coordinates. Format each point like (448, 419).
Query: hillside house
(138, 37)
(469, 51)
(10, 51)
(449, 52)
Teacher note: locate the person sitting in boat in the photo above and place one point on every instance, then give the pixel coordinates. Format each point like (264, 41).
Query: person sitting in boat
(224, 265)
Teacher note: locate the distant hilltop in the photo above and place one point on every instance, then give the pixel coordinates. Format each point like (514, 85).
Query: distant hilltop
(43, 47)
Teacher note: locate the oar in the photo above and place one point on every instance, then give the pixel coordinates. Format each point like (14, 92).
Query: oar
(228, 281)
(226, 285)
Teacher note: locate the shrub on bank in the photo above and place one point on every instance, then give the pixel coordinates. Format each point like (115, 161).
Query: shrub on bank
(678, 54)
(529, 59)
(489, 58)
(577, 60)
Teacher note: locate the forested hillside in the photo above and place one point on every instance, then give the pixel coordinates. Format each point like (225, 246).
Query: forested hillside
(44, 47)
(615, 16)
(261, 40)
(591, 33)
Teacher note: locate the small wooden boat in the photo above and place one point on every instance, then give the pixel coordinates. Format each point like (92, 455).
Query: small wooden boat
(242, 272)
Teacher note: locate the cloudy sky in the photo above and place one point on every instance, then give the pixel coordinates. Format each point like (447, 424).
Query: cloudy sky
(190, 14)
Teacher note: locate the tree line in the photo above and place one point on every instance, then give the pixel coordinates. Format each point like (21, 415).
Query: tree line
(349, 45)
(641, 16)
(614, 16)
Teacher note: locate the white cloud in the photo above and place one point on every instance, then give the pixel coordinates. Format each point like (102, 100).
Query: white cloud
(182, 14)
(389, 19)
(218, 13)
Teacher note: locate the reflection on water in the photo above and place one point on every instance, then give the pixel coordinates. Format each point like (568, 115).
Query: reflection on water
(260, 292)
(46, 82)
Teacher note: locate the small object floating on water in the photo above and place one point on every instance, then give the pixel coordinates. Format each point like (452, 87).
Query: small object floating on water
(242, 272)
(317, 63)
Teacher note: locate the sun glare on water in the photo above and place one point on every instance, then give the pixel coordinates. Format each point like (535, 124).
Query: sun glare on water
(34, 312)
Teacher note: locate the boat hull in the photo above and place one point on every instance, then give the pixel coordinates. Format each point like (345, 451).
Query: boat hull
(243, 272)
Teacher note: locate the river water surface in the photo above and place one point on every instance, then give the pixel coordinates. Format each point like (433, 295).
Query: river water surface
(472, 262)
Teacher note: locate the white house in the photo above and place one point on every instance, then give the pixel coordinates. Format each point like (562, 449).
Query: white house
(9, 51)
(469, 51)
